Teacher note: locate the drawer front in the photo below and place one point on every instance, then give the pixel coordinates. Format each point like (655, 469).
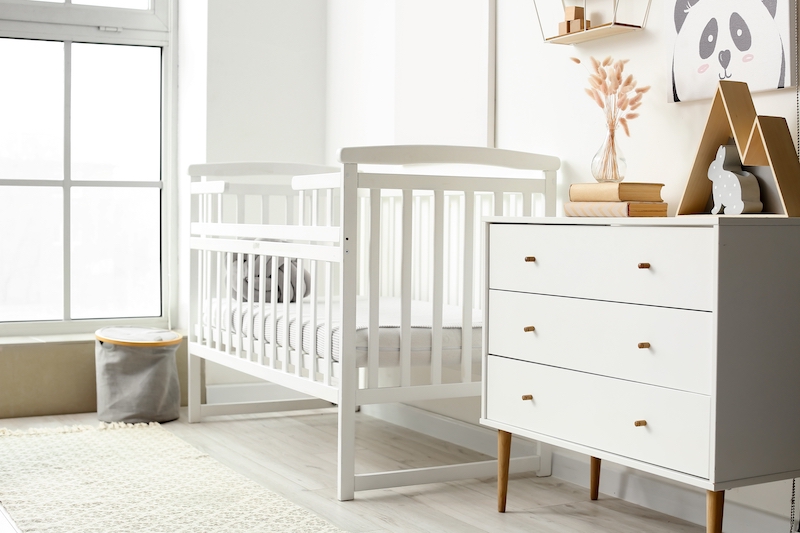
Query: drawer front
(603, 338)
(602, 262)
(600, 412)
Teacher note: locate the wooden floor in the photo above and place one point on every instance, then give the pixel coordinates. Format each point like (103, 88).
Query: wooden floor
(295, 456)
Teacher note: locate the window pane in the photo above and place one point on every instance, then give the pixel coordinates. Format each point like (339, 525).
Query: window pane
(116, 112)
(115, 261)
(31, 271)
(130, 4)
(31, 110)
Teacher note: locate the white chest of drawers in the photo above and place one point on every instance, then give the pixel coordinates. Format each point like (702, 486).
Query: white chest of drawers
(669, 345)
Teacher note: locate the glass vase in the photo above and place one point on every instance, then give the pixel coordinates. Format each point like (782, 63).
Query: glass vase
(608, 164)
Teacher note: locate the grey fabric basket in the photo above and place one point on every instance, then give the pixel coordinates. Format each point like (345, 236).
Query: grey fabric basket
(137, 376)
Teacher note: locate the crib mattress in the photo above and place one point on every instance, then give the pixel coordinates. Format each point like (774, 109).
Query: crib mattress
(242, 321)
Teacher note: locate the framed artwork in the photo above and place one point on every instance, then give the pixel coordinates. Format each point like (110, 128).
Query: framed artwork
(738, 40)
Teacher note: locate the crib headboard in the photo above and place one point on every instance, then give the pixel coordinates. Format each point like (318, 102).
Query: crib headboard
(414, 213)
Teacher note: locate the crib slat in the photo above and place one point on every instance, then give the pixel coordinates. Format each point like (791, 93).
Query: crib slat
(438, 287)
(299, 290)
(239, 307)
(466, 300)
(312, 322)
(262, 276)
(498, 204)
(216, 217)
(218, 286)
(373, 289)
(327, 363)
(550, 193)
(405, 296)
(312, 372)
(250, 296)
(416, 257)
(526, 204)
(285, 349)
(228, 285)
(203, 305)
(206, 270)
(273, 304)
(240, 208)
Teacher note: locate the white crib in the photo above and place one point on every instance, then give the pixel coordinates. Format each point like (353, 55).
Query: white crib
(388, 272)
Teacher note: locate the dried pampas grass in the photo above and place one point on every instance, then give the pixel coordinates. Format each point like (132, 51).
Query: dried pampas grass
(617, 95)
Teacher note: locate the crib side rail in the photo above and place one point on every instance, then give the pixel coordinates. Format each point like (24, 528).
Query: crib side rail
(247, 245)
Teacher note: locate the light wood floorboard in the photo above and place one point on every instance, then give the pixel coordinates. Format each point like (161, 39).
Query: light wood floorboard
(295, 455)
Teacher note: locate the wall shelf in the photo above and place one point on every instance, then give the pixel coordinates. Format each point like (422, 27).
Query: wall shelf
(603, 18)
(606, 30)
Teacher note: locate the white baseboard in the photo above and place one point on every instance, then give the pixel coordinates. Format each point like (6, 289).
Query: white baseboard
(675, 499)
(652, 492)
(478, 438)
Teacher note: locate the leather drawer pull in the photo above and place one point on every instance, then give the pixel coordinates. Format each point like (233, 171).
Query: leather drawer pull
(530, 259)
(527, 397)
(644, 265)
(643, 345)
(528, 329)
(640, 423)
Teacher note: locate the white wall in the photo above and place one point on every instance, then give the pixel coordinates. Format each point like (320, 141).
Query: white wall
(266, 80)
(410, 71)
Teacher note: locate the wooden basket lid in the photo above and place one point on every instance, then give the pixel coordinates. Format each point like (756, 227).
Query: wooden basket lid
(138, 336)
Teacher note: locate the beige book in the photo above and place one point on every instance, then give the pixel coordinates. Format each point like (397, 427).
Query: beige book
(615, 209)
(626, 191)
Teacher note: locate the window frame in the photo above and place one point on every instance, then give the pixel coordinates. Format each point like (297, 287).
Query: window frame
(68, 23)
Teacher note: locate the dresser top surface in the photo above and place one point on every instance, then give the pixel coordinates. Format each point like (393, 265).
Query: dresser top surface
(681, 221)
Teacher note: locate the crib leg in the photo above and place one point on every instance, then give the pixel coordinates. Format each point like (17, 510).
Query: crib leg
(347, 445)
(195, 387)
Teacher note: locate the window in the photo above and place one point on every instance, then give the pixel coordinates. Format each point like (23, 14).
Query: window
(83, 120)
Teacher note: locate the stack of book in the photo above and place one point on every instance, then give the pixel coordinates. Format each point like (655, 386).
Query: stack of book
(625, 199)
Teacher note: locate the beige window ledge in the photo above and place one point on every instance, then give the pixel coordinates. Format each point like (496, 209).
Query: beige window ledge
(39, 339)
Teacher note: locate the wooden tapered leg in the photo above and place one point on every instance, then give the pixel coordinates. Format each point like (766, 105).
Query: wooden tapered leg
(594, 482)
(503, 457)
(715, 501)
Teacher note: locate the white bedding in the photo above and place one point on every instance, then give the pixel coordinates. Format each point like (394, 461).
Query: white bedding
(389, 320)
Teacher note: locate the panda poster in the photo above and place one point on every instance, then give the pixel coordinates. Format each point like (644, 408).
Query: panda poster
(739, 40)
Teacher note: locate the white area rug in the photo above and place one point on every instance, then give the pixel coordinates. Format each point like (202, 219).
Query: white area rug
(133, 478)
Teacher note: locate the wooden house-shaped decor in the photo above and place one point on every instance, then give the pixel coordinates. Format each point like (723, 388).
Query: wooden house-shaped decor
(761, 142)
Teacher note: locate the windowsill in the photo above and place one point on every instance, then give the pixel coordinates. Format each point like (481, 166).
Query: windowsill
(63, 338)
(59, 338)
